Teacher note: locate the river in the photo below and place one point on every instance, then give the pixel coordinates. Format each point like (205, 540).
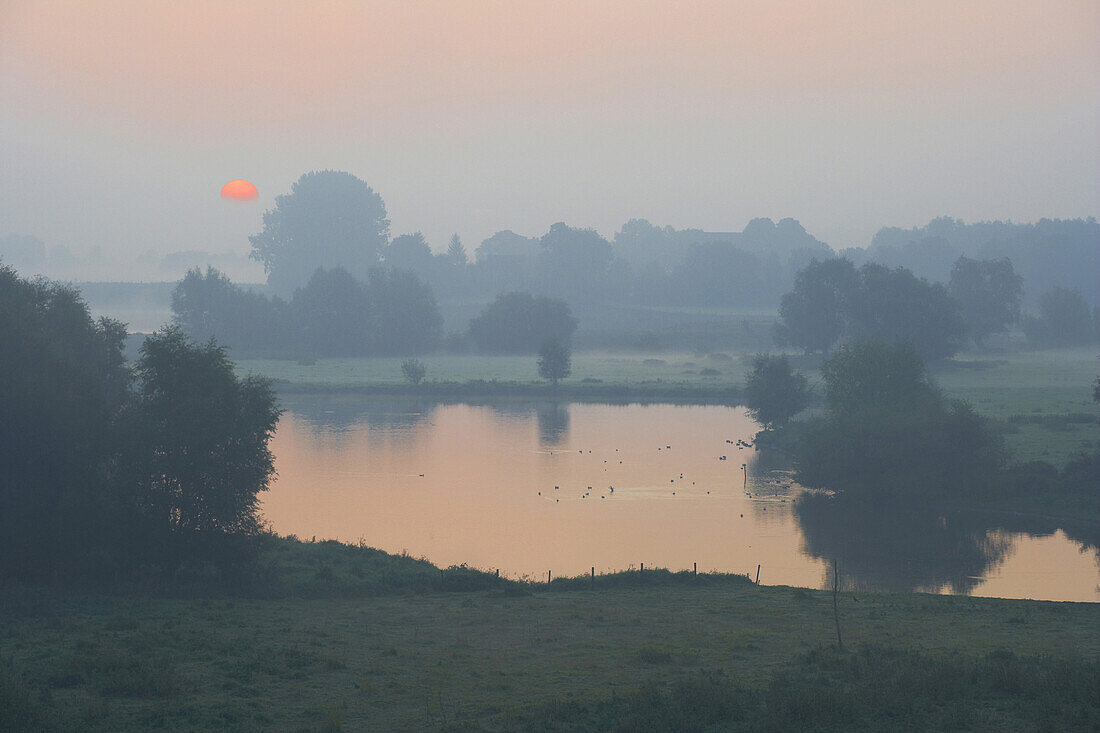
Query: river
(530, 487)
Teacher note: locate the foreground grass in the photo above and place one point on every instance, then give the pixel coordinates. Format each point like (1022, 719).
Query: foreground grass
(329, 650)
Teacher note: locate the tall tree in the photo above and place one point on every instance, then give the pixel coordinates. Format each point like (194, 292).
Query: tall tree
(207, 305)
(774, 393)
(895, 305)
(555, 361)
(329, 219)
(519, 323)
(405, 317)
(832, 302)
(410, 252)
(333, 315)
(574, 262)
(1064, 320)
(815, 314)
(989, 292)
(888, 431)
(456, 252)
(64, 382)
(202, 436)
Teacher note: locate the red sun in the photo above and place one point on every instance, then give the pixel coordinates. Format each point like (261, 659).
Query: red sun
(240, 191)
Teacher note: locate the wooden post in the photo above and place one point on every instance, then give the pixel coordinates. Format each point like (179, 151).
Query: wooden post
(548, 577)
(593, 573)
(498, 573)
(836, 613)
(643, 567)
(758, 575)
(695, 568)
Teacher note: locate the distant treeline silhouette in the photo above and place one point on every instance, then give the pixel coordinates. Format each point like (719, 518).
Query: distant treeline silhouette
(391, 314)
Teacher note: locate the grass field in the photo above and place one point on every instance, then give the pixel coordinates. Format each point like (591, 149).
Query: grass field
(607, 368)
(491, 659)
(1042, 401)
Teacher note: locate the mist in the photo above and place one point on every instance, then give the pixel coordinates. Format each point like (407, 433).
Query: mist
(121, 120)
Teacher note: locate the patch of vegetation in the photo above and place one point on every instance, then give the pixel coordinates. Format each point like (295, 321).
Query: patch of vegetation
(502, 659)
(875, 688)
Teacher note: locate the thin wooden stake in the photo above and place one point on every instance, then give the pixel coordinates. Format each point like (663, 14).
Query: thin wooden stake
(695, 568)
(548, 577)
(836, 612)
(758, 575)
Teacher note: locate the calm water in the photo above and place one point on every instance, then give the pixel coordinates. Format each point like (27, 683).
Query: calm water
(530, 487)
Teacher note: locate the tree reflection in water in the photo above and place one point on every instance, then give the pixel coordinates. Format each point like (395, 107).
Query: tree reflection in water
(553, 420)
(888, 546)
(340, 413)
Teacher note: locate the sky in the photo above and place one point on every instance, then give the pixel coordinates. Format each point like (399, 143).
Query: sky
(120, 121)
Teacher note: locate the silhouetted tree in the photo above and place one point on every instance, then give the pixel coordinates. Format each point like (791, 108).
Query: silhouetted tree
(405, 318)
(874, 375)
(574, 262)
(832, 302)
(199, 448)
(209, 306)
(333, 315)
(329, 219)
(815, 314)
(64, 381)
(519, 323)
(413, 370)
(1064, 320)
(895, 305)
(555, 361)
(774, 393)
(410, 252)
(889, 432)
(989, 292)
(456, 252)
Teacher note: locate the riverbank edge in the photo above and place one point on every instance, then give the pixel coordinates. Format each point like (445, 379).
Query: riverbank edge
(611, 393)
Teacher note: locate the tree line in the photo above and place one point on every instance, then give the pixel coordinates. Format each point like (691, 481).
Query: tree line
(327, 251)
(392, 313)
(115, 470)
(834, 302)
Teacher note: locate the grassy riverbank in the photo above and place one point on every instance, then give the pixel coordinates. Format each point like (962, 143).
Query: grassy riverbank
(356, 639)
(1040, 401)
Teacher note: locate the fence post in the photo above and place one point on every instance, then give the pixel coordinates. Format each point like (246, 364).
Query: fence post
(548, 577)
(643, 567)
(758, 575)
(695, 568)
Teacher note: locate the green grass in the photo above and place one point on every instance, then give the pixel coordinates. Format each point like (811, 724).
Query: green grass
(328, 652)
(1041, 400)
(607, 368)
(1012, 388)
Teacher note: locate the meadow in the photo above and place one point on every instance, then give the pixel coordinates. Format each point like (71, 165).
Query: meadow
(348, 638)
(1041, 401)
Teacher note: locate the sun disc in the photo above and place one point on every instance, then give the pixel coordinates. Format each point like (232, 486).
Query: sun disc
(239, 190)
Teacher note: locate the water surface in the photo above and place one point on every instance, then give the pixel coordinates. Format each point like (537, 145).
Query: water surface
(530, 487)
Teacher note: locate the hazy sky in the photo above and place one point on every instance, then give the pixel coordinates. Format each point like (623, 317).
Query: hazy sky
(120, 121)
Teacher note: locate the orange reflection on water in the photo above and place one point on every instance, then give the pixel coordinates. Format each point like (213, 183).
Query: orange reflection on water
(660, 494)
(527, 488)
